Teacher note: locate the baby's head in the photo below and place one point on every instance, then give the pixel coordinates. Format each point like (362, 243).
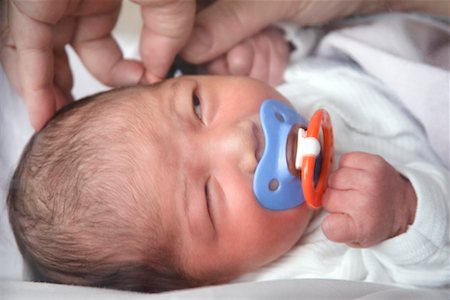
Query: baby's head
(150, 188)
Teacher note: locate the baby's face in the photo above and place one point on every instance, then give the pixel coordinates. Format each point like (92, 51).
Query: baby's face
(207, 141)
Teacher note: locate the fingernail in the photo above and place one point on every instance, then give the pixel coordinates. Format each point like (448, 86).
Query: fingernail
(199, 43)
(150, 78)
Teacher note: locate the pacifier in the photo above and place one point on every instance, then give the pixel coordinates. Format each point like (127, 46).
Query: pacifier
(297, 158)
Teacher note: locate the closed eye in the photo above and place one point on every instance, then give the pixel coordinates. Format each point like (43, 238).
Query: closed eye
(197, 106)
(208, 203)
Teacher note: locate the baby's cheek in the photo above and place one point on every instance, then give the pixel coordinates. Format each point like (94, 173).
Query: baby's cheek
(280, 230)
(255, 232)
(290, 225)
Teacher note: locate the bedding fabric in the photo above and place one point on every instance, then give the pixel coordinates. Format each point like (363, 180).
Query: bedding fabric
(319, 289)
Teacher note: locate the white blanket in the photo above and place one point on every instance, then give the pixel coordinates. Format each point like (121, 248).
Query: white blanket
(410, 54)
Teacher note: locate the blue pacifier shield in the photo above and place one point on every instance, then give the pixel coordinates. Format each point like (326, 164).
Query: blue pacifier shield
(274, 186)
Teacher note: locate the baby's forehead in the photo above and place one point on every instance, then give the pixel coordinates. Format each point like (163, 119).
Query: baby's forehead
(133, 117)
(126, 105)
(136, 99)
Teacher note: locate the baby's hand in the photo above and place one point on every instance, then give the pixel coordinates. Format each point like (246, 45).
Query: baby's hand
(263, 56)
(368, 201)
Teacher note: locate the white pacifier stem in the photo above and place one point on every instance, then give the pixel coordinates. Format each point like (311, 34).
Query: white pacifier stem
(306, 146)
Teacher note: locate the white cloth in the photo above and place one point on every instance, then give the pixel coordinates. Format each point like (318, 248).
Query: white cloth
(368, 116)
(411, 55)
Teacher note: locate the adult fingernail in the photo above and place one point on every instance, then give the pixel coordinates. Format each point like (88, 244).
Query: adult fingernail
(151, 78)
(199, 43)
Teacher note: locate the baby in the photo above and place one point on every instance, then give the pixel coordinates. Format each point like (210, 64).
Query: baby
(149, 188)
(152, 187)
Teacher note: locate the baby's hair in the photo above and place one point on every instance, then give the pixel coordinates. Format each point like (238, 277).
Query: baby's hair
(74, 202)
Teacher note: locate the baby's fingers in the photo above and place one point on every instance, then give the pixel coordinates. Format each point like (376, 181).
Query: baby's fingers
(345, 179)
(271, 56)
(218, 66)
(279, 55)
(340, 228)
(240, 59)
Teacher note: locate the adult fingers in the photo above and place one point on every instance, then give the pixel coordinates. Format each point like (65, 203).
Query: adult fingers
(63, 80)
(33, 41)
(225, 23)
(63, 75)
(100, 52)
(167, 27)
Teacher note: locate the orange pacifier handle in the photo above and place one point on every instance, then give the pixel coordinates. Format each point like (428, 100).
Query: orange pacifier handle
(313, 194)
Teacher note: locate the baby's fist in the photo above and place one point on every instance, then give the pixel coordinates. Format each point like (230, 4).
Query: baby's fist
(368, 201)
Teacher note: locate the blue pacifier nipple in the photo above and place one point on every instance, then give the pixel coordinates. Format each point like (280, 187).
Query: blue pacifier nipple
(275, 187)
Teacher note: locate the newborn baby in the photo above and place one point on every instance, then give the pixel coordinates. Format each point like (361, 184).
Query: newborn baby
(149, 188)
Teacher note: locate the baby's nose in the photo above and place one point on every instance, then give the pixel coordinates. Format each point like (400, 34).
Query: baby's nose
(238, 146)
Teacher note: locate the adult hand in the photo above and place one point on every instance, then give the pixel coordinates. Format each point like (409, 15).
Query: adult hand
(36, 32)
(368, 201)
(224, 24)
(167, 27)
(263, 56)
(35, 60)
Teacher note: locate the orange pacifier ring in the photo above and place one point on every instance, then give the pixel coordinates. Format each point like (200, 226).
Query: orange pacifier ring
(313, 194)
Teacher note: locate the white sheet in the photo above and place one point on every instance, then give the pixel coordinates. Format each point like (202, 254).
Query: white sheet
(279, 289)
(411, 55)
(15, 131)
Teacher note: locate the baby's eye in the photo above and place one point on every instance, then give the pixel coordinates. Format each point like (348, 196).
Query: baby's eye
(207, 197)
(197, 106)
(206, 192)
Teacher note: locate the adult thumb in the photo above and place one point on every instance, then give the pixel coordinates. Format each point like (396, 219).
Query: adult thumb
(224, 24)
(167, 26)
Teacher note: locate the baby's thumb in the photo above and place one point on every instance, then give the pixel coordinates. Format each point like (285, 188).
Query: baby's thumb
(224, 24)
(340, 228)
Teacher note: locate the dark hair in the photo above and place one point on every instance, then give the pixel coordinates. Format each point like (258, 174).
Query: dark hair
(71, 198)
